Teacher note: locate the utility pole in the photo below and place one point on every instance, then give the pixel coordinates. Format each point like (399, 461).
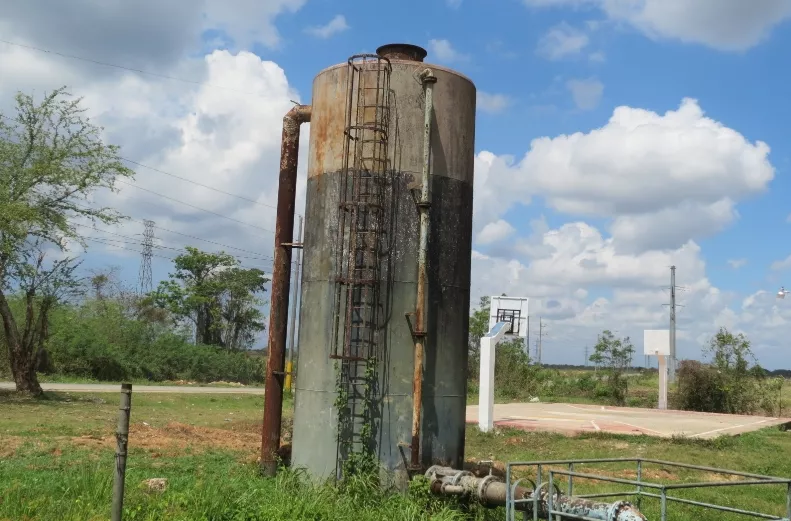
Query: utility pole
(527, 340)
(293, 321)
(672, 368)
(539, 344)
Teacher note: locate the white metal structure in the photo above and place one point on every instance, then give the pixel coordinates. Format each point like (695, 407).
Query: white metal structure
(510, 309)
(507, 318)
(783, 292)
(656, 342)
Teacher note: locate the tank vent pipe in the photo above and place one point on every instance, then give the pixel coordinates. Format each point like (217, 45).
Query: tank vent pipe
(281, 282)
(428, 80)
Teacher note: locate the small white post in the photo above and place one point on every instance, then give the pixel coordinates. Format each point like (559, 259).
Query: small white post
(486, 385)
(662, 381)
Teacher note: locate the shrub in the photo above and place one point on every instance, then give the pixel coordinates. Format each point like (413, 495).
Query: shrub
(700, 387)
(728, 384)
(102, 342)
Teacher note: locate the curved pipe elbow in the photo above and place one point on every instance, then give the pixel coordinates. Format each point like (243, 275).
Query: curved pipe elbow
(297, 115)
(427, 76)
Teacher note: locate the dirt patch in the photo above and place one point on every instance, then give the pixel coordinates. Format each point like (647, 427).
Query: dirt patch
(714, 477)
(177, 436)
(255, 427)
(9, 445)
(650, 475)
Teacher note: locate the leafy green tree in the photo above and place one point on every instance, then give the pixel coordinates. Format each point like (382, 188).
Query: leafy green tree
(731, 382)
(614, 355)
(479, 326)
(217, 296)
(52, 158)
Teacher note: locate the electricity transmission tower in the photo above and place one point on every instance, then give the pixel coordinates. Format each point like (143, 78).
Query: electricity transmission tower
(586, 356)
(144, 280)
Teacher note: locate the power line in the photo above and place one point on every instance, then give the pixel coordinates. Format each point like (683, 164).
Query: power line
(213, 242)
(116, 244)
(98, 240)
(195, 207)
(179, 233)
(131, 69)
(160, 171)
(157, 246)
(200, 184)
(255, 255)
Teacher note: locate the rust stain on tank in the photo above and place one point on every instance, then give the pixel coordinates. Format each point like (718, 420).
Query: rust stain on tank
(328, 122)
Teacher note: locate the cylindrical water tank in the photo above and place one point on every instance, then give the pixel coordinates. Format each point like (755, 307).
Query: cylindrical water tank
(449, 250)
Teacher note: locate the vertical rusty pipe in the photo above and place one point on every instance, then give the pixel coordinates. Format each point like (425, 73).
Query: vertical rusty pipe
(292, 324)
(428, 79)
(281, 282)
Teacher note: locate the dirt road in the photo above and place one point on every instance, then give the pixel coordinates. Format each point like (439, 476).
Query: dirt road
(114, 388)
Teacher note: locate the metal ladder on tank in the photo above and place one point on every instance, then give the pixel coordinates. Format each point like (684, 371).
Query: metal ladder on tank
(359, 252)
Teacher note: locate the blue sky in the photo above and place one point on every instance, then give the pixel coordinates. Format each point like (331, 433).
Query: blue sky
(687, 184)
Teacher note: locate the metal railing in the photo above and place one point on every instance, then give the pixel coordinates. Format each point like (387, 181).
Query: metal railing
(643, 489)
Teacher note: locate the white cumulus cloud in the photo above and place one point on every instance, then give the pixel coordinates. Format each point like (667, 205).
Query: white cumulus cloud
(495, 232)
(561, 41)
(336, 25)
(443, 51)
(586, 93)
(638, 163)
(728, 25)
(492, 103)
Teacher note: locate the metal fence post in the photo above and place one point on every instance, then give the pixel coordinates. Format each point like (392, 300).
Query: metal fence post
(122, 441)
(639, 480)
(788, 502)
(571, 480)
(507, 491)
(663, 512)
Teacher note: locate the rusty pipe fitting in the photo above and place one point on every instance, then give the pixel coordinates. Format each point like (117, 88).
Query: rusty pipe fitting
(492, 492)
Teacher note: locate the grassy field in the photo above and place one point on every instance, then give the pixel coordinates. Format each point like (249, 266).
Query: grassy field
(56, 461)
(643, 391)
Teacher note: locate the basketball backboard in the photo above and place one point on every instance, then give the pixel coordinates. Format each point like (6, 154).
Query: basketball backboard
(514, 311)
(656, 342)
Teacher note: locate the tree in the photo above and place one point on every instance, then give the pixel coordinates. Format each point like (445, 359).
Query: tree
(738, 382)
(614, 355)
(479, 326)
(51, 159)
(217, 296)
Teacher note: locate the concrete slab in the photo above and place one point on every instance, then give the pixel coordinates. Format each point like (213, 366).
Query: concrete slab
(573, 419)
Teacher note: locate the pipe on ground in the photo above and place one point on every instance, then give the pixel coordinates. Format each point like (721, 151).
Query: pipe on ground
(490, 491)
(428, 79)
(281, 283)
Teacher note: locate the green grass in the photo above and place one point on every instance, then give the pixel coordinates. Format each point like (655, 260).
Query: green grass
(762, 452)
(56, 461)
(212, 486)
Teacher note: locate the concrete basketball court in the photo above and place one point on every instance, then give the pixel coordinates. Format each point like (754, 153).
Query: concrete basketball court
(574, 419)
